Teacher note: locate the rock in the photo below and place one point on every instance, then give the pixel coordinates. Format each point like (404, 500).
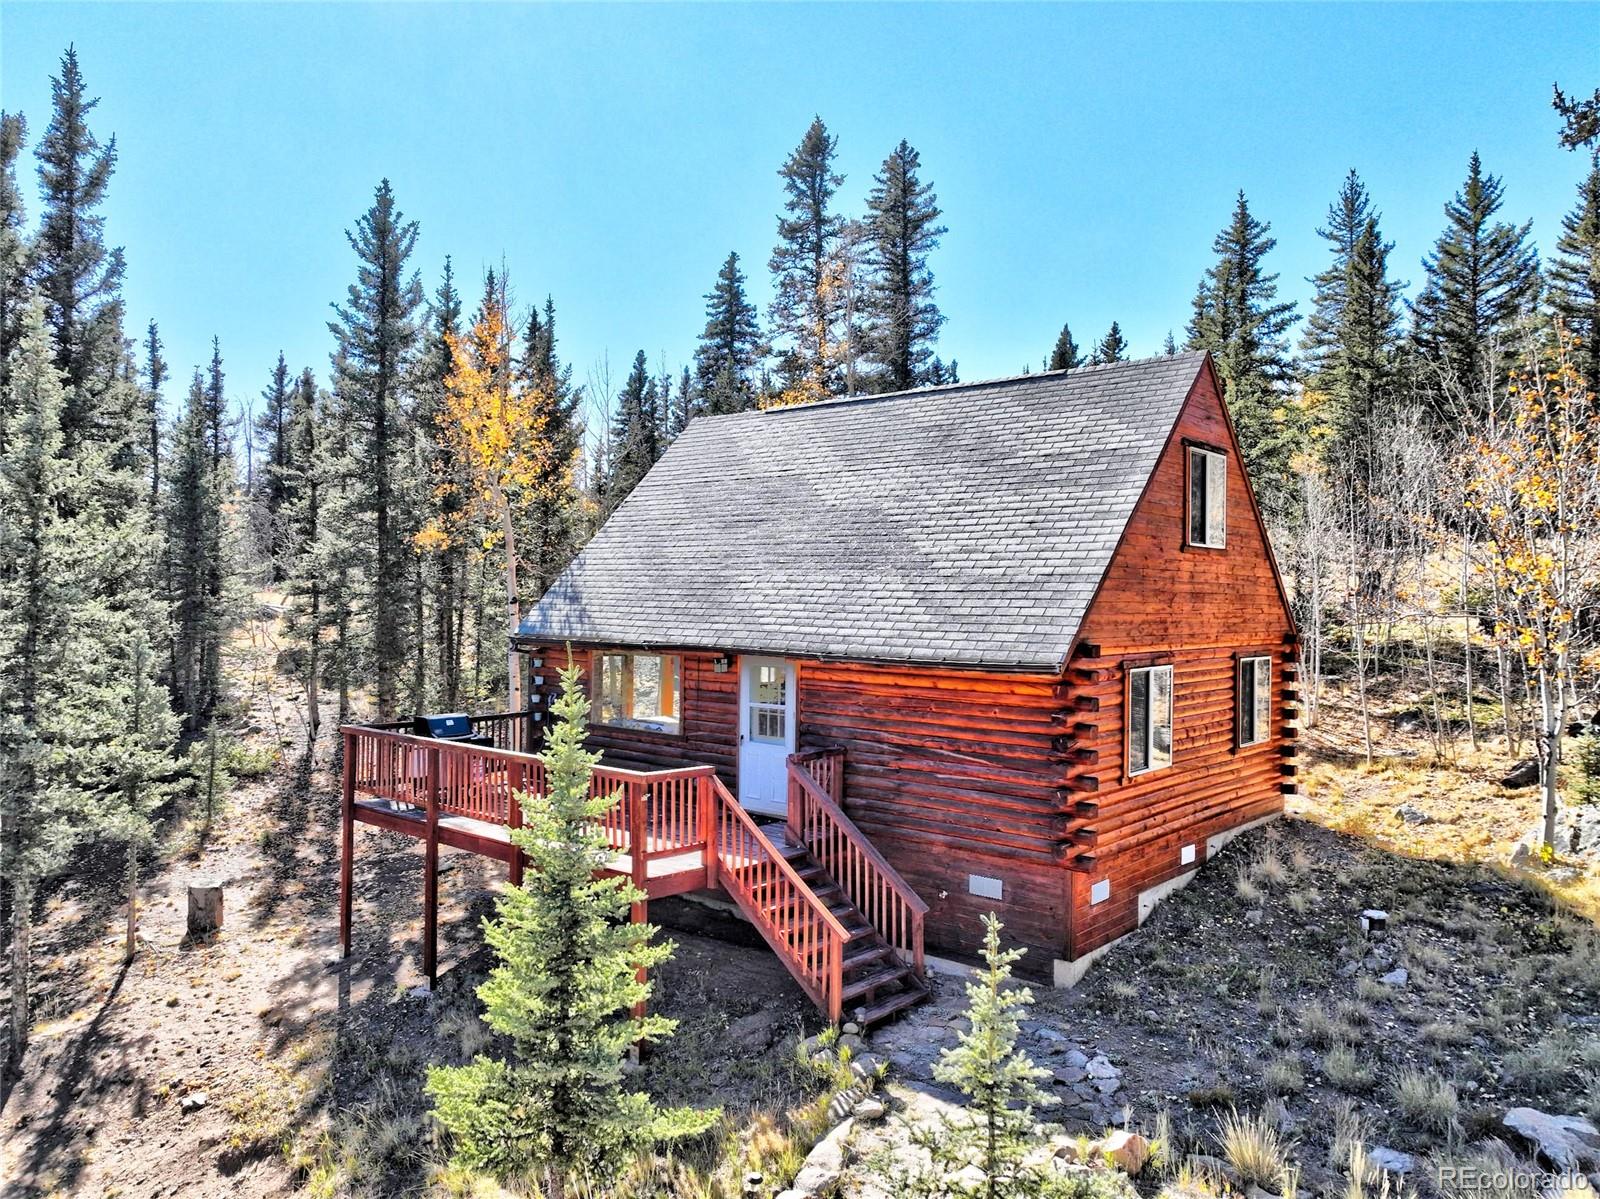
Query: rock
(851, 1042)
(1567, 1142)
(1524, 774)
(1254, 916)
(1128, 1151)
(1398, 977)
(192, 1102)
(1050, 1034)
(850, 1029)
(812, 1046)
(871, 1108)
(1412, 814)
(1391, 1160)
(1255, 1192)
(1069, 1075)
(205, 908)
(824, 1165)
(1100, 1066)
(865, 1066)
(753, 1031)
(1108, 1086)
(1374, 920)
(1213, 1167)
(420, 991)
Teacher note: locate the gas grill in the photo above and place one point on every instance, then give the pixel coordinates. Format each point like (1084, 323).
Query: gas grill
(450, 726)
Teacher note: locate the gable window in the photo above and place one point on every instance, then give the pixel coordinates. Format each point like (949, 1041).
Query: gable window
(1255, 700)
(637, 691)
(1149, 718)
(1208, 498)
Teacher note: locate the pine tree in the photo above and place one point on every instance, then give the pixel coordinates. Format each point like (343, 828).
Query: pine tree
(686, 402)
(155, 375)
(563, 991)
(196, 548)
(304, 620)
(729, 355)
(1113, 347)
(271, 440)
(1239, 319)
(1481, 277)
(74, 665)
(1351, 339)
(1580, 118)
(550, 513)
(635, 435)
(78, 276)
(800, 311)
(375, 334)
(1064, 355)
(1170, 346)
(1001, 1084)
(13, 244)
(1575, 277)
(902, 319)
(441, 476)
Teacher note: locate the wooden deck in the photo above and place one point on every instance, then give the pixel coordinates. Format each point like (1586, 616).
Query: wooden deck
(846, 925)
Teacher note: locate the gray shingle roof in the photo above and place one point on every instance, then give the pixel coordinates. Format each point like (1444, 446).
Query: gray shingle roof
(968, 524)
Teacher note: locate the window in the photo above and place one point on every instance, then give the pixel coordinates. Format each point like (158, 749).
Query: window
(769, 702)
(1149, 718)
(1255, 700)
(1208, 498)
(638, 691)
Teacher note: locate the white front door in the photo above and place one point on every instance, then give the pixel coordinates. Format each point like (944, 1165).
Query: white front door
(766, 733)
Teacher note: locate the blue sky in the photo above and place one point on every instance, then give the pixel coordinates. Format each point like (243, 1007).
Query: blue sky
(1085, 155)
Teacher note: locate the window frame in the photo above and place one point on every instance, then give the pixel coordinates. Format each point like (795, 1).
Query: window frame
(1193, 451)
(1131, 668)
(667, 726)
(1262, 729)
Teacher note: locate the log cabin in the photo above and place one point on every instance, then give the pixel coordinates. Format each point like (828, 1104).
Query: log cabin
(899, 661)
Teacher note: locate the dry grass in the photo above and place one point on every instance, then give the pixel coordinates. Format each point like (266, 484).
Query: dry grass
(1255, 1149)
(1426, 1101)
(1345, 1070)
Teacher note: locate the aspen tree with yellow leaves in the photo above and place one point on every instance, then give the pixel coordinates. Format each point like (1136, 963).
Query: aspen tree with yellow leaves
(1532, 472)
(496, 422)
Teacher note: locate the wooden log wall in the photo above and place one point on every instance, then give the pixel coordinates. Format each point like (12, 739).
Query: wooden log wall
(1201, 609)
(953, 774)
(708, 709)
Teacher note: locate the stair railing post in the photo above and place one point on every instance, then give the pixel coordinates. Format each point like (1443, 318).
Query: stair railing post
(706, 796)
(835, 979)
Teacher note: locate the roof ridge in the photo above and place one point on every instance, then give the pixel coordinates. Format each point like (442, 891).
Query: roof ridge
(933, 388)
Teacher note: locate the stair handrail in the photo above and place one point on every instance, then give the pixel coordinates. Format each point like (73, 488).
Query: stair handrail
(825, 982)
(809, 806)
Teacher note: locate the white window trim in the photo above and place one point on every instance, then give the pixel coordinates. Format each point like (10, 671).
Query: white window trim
(1217, 462)
(1149, 723)
(1262, 729)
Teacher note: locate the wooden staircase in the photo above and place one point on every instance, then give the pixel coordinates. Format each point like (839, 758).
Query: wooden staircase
(876, 982)
(843, 921)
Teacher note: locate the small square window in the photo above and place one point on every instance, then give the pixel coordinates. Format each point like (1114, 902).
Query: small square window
(1255, 700)
(1208, 498)
(1149, 718)
(1101, 891)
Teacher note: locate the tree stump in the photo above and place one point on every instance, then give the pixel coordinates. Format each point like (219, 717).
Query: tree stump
(205, 909)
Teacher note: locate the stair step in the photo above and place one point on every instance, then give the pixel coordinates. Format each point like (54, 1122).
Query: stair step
(864, 953)
(878, 978)
(898, 1002)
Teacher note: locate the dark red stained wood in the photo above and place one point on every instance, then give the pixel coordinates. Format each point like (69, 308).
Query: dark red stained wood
(1198, 608)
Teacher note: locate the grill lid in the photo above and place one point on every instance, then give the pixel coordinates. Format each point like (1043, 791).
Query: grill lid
(445, 724)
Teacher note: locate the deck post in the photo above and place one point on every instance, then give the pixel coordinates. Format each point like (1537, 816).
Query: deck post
(517, 782)
(347, 840)
(430, 870)
(640, 914)
(638, 835)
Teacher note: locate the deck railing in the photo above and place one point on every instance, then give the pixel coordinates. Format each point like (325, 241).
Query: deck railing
(786, 912)
(816, 780)
(669, 809)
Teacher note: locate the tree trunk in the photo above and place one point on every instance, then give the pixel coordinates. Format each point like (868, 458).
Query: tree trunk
(1550, 706)
(21, 938)
(1466, 636)
(514, 697)
(130, 945)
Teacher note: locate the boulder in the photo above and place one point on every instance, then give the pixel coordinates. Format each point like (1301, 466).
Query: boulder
(1411, 814)
(754, 1031)
(1389, 1160)
(1128, 1151)
(1524, 774)
(1567, 1142)
(1099, 1066)
(871, 1108)
(1397, 977)
(824, 1165)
